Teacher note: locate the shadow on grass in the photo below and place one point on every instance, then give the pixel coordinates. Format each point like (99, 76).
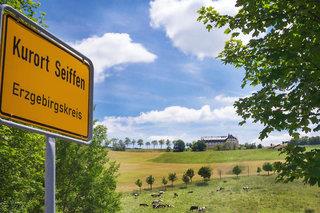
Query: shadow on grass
(203, 183)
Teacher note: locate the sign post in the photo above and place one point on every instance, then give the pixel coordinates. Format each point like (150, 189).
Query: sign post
(50, 174)
(46, 87)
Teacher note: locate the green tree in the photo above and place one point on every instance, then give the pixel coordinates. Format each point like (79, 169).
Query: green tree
(168, 143)
(154, 143)
(300, 164)
(150, 180)
(140, 142)
(287, 82)
(139, 184)
(86, 178)
(164, 182)
(22, 170)
(133, 142)
(127, 141)
(22, 152)
(199, 146)
(148, 144)
(267, 167)
(186, 179)
(205, 172)
(236, 170)
(161, 142)
(259, 170)
(179, 146)
(172, 177)
(190, 173)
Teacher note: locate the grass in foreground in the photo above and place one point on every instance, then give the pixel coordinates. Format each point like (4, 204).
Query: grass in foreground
(264, 195)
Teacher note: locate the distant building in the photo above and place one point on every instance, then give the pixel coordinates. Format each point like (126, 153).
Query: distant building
(213, 141)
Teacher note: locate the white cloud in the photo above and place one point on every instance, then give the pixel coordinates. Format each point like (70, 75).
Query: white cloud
(112, 49)
(170, 116)
(228, 100)
(179, 20)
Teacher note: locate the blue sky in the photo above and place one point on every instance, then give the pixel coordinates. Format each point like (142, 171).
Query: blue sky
(156, 75)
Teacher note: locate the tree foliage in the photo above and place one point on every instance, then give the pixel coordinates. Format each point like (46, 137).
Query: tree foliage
(139, 184)
(186, 179)
(268, 167)
(150, 180)
(86, 178)
(21, 170)
(199, 146)
(205, 172)
(259, 170)
(300, 164)
(179, 146)
(281, 60)
(22, 152)
(172, 177)
(236, 170)
(190, 173)
(164, 182)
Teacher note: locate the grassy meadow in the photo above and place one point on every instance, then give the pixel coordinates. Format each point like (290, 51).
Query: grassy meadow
(134, 165)
(264, 195)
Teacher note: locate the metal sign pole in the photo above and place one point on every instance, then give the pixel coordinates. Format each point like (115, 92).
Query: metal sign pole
(50, 178)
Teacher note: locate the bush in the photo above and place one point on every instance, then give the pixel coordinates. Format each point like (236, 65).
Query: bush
(139, 184)
(172, 177)
(260, 146)
(186, 179)
(199, 146)
(179, 146)
(236, 170)
(190, 173)
(259, 170)
(164, 182)
(150, 180)
(205, 172)
(118, 146)
(86, 178)
(268, 167)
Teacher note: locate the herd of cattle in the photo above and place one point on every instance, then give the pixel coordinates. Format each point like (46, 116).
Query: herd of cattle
(156, 204)
(159, 203)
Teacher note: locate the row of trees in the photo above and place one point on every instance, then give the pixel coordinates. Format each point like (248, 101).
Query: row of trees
(205, 172)
(305, 141)
(127, 142)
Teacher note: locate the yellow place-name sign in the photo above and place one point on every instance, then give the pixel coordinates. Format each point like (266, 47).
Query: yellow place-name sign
(44, 83)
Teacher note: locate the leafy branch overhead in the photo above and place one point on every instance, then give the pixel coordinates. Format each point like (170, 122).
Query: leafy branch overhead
(282, 58)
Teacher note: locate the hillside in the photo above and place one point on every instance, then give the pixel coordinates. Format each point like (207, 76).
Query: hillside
(212, 156)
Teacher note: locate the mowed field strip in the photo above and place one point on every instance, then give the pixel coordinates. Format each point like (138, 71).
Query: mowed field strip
(135, 164)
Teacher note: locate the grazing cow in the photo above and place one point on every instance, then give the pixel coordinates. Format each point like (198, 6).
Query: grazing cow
(202, 209)
(158, 206)
(144, 204)
(246, 188)
(219, 188)
(135, 195)
(155, 195)
(175, 194)
(161, 192)
(156, 202)
(190, 192)
(192, 208)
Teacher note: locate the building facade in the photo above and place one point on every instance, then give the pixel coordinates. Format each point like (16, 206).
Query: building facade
(212, 141)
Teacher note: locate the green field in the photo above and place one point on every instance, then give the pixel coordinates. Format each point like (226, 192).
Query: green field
(212, 156)
(134, 165)
(264, 195)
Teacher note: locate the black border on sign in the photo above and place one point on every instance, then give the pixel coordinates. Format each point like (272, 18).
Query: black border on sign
(27, 121)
